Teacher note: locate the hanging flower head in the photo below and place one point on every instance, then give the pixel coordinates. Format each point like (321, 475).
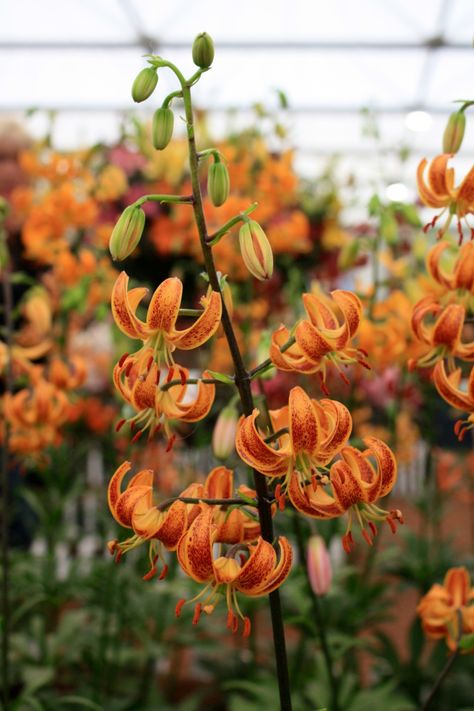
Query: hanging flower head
(447, 386)
(159, 333)
(461, 275)
(439, 191)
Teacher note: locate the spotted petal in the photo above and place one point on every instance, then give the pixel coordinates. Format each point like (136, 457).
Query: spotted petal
(124, 305)
(255, 452)
(202, 329)
(194, 550)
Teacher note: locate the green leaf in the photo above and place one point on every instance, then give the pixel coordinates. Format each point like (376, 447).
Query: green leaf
(466, 642)
(35, 677)
(227, 379)
(80, 701)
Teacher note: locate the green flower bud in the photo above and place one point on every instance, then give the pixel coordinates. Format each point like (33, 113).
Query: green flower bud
(203, 50)
(218, 183)
(144, 84)
(162, 129)
(256, 250)
(454, 132)
(127, 233)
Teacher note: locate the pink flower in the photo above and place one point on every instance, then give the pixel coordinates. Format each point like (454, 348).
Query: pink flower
(319, 566)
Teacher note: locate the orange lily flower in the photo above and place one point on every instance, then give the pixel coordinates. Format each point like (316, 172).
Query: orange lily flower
(316, 432)
(134, 508)
(156, 407)
(159, 332)
(252, 569)
(448, 610)
(67, 376)
(448, 387)
(461, 275)
(439, 191)
(355, 485)
(322, 340)
(443, 336)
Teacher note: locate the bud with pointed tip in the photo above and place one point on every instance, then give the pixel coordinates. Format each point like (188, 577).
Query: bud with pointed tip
(144, 84)
(127, 233)
(454, 132)
(319, 566)
(223, 436)
(162, 128)
(218, 183)
(203, 50)
(256, 250)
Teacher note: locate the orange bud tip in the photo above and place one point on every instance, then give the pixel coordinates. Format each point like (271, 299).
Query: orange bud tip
(151, 574)
(247, 627)
(119, 425)
(171, 441)
(164, 573)
(197, 613)
(179, 607)
(367, 537)
(123, 359)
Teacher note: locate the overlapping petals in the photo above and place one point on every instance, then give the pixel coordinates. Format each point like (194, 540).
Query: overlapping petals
(440, 327)
(439, 191)
(316, 432)
(156, 407)
(134, 508)
(322, 340)
(251, 569)
(461, 275)
(159, 332)
(447, 611)
(448, 386)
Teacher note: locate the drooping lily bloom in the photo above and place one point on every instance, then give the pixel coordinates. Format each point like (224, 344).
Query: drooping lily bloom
(355, 485)
(155, 407)
(461, 275)
(134, 508)
(448, 387)
(315, 433)
(324, 340)
(253, 569)
(443, 335)
(439, 191)
(67, 376)
(448, 610)
(159, 333)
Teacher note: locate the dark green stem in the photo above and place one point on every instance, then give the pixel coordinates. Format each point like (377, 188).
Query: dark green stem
(319, 617)
(191, 381)
(242, 381)
(441, 677)
(212, 502)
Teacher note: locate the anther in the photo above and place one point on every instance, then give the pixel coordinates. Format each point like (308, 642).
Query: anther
(119, 425)
(247, 627)
(179, 607)
(197, 613)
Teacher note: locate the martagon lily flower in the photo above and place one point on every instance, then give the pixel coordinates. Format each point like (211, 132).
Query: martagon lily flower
(461, 275)
(443, 335)
(439, 191)
(312, 434)
(159, 333)
(448, 610)
(155, 407)
(447, 386)
(252, 569)
(324, 340)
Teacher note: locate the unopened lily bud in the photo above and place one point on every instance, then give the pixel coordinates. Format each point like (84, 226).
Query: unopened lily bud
(256, 250)
(319, 566)
(225, 429)
(218, 183)
(454, 132)
(203, 50)
(144, 84)
(127, 233)
(162, 129)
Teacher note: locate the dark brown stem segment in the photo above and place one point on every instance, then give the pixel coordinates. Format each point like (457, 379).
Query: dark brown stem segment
(442, 675)
(242, 381)
(8, 309)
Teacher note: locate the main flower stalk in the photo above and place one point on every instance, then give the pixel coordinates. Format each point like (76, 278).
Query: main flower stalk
(242, 381)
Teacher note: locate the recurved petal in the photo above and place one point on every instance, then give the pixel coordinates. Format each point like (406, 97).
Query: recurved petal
(448, 326)
(219, 483)
(283, 568)
(433, 263)
(253, 450)
(292, 358)
(440, 177)
(369, 479)
(464, 269)
(258, 568)
(164, 305)
(465, 194)
(173, 526)
(427, 195)
(311, 342)
(386, 463)
(448, 387)
(458, 583)
(313, 502)
(200, 407)
(124, 304)
(194, 550)
(305, 429)
(346, 485)
(127, 502)
(202, 329)
(320, 314)
(351, 307)
(114, 489)
(337, 428)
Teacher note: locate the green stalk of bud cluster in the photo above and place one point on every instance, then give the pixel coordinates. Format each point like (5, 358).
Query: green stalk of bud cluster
(218, 183)
(203, 50)
(127, 233)
(144, 84)
(162, 128)
(256, 250)
(454, 132)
